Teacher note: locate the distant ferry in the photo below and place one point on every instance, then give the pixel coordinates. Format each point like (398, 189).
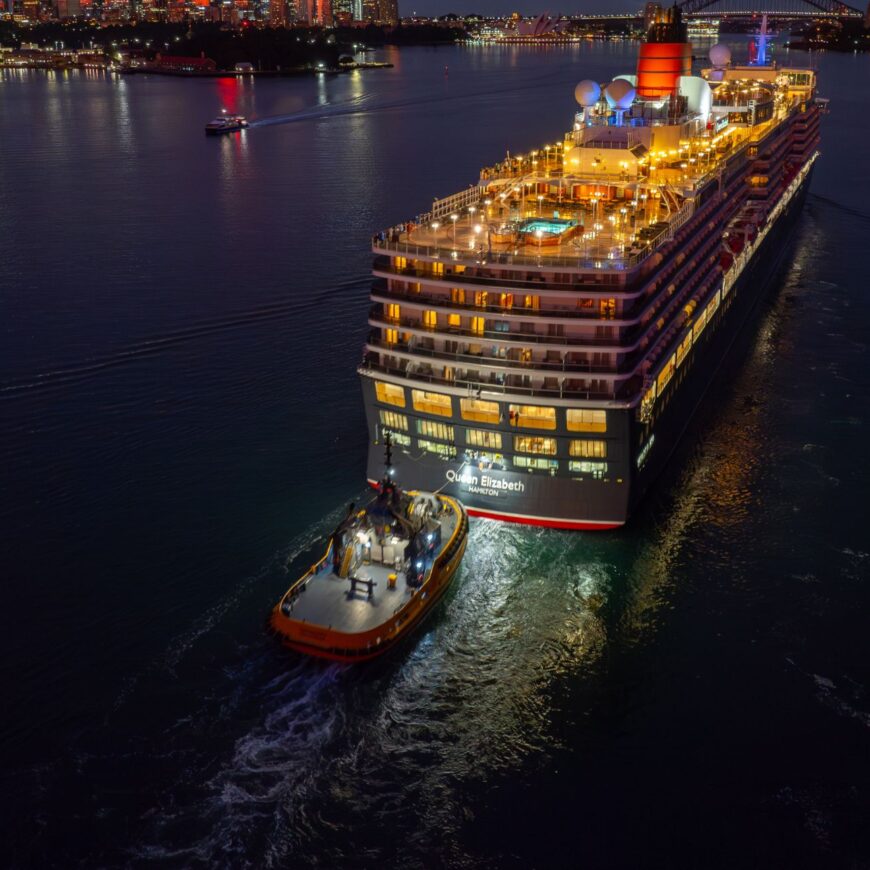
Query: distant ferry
(539, 341)
(226, 124)
(701, 30)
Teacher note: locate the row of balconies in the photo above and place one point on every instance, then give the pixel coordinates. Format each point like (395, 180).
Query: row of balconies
(465, 353)
(525, 385)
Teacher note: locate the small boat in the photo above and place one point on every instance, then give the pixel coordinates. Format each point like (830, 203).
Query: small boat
(226, 124)
(384, 569)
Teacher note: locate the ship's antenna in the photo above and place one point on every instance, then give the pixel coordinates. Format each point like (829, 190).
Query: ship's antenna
(388, 456)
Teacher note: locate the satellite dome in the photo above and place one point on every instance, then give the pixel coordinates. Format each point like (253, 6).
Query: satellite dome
(587, 93)
(619, 94)
(720, 55)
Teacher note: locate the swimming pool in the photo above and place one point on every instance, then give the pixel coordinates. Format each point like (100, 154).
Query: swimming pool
(554, 226)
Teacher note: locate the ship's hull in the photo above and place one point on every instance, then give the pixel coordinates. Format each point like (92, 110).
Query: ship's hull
(637, 452)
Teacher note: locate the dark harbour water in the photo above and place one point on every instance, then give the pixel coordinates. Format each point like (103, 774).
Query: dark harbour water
(181, 421)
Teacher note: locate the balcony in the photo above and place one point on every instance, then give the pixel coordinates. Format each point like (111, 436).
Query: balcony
(507, 363)
(626, 395)
(510, 339)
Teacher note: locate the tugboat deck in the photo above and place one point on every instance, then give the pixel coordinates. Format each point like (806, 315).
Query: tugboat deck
(329, 602)
(365, 599)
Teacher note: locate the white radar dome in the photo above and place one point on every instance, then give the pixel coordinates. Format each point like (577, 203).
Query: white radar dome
(587, 93)
(720, 55)
(619, 94)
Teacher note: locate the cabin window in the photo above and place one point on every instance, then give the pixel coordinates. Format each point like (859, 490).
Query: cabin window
(400, 262)
(454, 321)
(588, 449)
(481, 298)
(434, 429)
(585, 420)
(432, 403)
(533, 416)
(391, 336)
(533, 444)
(666, 374)
(448, 451)
(390, 394)
(484, 438)
(398, 438)
(537, 462)
(477, 325)
(596, 469)
(479, 411)
(393, 420)
(394, 312)
(457, 295)
(684, 347)
(430, 319)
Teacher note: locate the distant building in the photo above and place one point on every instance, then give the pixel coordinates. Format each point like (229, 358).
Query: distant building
(68, 9)
(346, 11)
(381, 11)
(278, 13)
(178, 63)
(322, 12)
(652, 12)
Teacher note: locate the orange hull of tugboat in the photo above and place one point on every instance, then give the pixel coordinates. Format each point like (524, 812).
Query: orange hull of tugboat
(328, 643)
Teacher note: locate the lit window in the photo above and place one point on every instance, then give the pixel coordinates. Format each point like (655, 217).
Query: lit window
(392, 420)
(398, 438)
(584, 420)
(537, 462)
(484, 438)
(437, 268)
(684, 347)
(391, 336)
(430, 319)
(394, 312)
(432, 403)
(666, 374)
(506, 300)
(400, 262)
(435, 430)
(481, 298)
(390, 394)
(448, 451)
(588, 448)
(532, 444)
(479, 411)
(533, 416)
(454, 321)
(457, 295)
(477, 325)
(596, 469)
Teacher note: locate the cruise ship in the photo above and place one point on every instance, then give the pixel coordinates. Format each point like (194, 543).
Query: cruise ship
(540, 340)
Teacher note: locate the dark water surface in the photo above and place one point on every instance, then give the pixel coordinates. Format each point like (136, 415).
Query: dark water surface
(181, 420)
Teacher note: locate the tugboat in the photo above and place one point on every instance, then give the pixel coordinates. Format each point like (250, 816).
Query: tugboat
(226, 124)
(384, 569)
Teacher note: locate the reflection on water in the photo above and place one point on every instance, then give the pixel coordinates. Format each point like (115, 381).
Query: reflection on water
(186, 428)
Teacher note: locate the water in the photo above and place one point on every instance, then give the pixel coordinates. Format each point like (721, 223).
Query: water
(182, 318)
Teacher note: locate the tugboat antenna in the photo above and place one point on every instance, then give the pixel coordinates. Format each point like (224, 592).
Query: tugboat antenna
(388, 453)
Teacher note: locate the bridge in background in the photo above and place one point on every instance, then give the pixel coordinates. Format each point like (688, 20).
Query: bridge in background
(771, 8)
(778, 9)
